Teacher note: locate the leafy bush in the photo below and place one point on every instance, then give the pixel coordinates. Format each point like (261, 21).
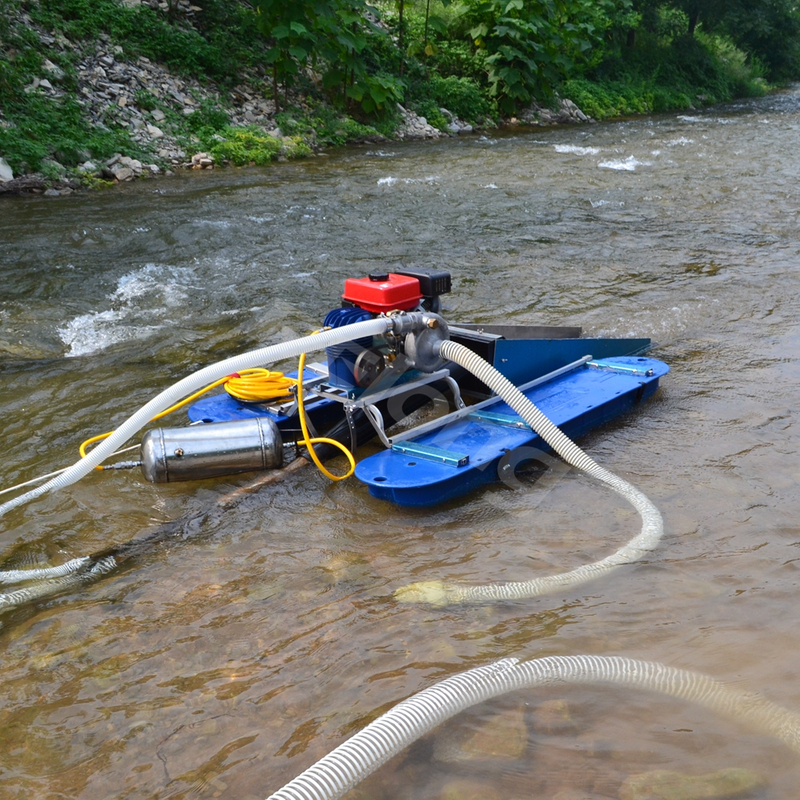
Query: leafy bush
(145, 100)
(251, 145)
(245, 146)
(464, 97)
(324, 126)
(209, 116)
(531, 45)
(460, 58)
(659, 76)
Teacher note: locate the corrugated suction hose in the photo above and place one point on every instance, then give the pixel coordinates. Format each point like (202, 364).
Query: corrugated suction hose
(352, 761)
(440, 593)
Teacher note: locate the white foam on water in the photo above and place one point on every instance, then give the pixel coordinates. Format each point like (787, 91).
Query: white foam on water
(601, 203)
(96, 331)
(628, 164)
(141, 301)
(390, 181)
(576, 150)
(687, 118)
(681, 141)
(659, 321)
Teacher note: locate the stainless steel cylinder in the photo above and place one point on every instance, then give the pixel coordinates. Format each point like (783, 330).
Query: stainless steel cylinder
(211, 449)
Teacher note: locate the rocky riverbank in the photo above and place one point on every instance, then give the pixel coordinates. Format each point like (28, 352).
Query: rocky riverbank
(150, 102)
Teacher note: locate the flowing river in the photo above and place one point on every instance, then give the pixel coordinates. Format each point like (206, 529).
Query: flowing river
(229, 658)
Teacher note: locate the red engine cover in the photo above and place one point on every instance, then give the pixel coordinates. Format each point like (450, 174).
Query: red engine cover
(394, 292)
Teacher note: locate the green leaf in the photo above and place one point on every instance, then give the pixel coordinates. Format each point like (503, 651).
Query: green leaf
(333, 77)
(355, 91)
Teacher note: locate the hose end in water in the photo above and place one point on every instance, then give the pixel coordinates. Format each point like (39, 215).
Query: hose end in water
(434, 593)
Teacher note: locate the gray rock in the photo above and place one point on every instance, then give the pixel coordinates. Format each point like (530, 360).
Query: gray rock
(503, 736)
(155, 133)
(123, 174)
(54, 70)
(553, 718)
(6, 173)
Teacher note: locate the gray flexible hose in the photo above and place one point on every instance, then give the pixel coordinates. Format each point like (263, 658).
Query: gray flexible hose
(440, 593)
(42, 573)
(359, 756)
(84, 572)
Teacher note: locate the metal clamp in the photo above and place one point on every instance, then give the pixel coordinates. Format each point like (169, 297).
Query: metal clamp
(625, 369)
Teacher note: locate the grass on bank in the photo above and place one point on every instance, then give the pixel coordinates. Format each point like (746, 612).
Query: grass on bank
(49, 135)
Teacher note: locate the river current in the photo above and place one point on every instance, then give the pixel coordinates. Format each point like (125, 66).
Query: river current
(228, 659)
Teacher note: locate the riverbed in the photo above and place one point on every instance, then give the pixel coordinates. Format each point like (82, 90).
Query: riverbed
(228, 659)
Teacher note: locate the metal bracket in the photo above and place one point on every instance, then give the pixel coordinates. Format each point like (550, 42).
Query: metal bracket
(625, 369)
(429, 453)
(456, 390)
(376, 418)
(494, 417)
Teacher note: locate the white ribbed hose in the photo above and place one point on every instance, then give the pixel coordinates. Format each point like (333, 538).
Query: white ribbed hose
(194, 382)
(392, 732)
(438, 592)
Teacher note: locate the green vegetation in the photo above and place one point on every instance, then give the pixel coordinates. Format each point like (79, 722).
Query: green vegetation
(337, 69)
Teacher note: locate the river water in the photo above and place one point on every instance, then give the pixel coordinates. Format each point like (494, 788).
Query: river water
(228, 659)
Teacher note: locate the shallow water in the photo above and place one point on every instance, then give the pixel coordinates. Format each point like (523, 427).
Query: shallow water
(234, 655)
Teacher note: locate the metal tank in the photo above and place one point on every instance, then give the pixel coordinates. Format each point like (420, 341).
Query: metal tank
(211, 449)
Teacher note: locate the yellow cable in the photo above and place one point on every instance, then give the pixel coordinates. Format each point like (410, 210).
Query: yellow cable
(257, 385)
(308, 441)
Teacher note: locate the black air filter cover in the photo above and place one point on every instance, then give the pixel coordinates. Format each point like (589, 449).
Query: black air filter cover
(432, 282)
